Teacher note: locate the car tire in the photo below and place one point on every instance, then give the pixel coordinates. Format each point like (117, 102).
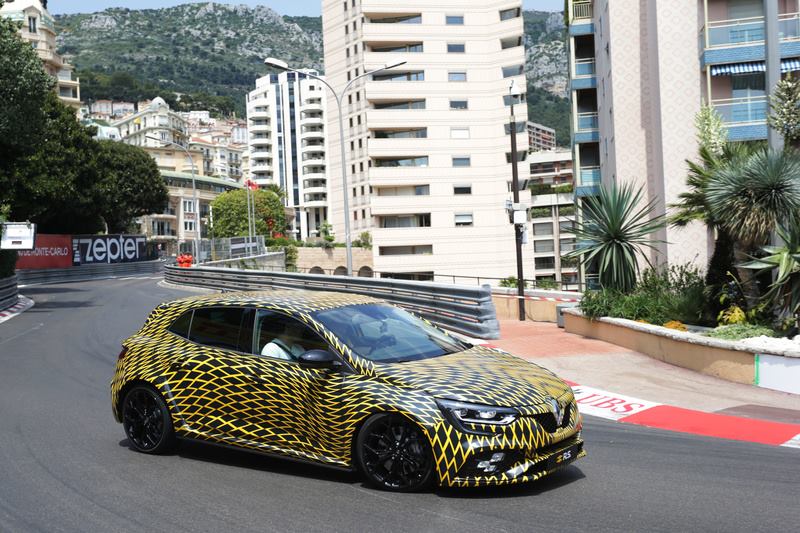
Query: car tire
(147, 421)
(394, 454)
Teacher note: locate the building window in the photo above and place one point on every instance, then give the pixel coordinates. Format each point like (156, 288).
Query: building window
(508, 14)
(456, 48)
(32, 24)
(188, 206)
(423, 249)
(462, 189)
(522, 155)
(545, 263)
(461, 161)
(422, 220)
(459, 133)
(543, 228)
(414, 133)
(566, 226)
(404, 19)
(508, 99)
(413, 47)
(409, 104)
(543, 246)
(513, 70)
(463, 219)
(188, 225)
(454, 20)
(458, 105)
(456, 76)
(403, 162)
(400, 76)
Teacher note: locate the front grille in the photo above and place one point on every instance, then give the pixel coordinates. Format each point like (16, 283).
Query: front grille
(548, 420)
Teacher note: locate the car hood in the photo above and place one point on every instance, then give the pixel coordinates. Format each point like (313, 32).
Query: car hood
(478, 375)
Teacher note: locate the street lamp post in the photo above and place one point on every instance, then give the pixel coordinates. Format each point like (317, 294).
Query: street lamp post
(195, 243)
(282, 65)
(514, 93)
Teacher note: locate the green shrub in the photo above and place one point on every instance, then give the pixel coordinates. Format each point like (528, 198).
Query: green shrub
(546, 284)
(660, 296)
(511, 282)
(737, 332)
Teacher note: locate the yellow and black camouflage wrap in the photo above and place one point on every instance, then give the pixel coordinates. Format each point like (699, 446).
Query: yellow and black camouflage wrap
(284, 408)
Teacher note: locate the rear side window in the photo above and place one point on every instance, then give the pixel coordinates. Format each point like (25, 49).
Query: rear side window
(230, 328)
(181, 326)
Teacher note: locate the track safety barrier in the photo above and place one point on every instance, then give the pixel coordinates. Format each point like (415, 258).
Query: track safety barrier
(9, 293)
(89, 272)
(463, 309)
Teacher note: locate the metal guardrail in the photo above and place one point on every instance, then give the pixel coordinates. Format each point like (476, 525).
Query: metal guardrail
(9, 293)
(88, 272)
(466, 310)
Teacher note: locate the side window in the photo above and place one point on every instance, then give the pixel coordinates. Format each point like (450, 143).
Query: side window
(181, 326)
(282, 337)
(222, 327)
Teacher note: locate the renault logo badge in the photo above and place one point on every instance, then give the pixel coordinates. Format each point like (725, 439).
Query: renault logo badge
(557, 411)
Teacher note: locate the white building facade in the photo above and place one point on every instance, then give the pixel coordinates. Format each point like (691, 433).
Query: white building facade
(286, 125)
(428, 143)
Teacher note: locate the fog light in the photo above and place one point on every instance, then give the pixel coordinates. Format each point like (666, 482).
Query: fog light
(491, 468)
(496, 458)
(484, 464)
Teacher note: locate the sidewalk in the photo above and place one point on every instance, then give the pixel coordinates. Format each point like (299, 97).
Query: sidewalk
(671, 397)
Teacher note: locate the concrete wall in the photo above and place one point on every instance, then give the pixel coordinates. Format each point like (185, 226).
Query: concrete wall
(675, 349)
(330, 259)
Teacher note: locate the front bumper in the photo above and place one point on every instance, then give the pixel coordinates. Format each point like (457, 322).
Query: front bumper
(531, 448)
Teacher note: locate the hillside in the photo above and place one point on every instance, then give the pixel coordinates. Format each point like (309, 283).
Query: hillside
(217, 50)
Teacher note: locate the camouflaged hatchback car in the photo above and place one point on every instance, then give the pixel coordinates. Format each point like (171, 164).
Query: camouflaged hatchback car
(345, 381)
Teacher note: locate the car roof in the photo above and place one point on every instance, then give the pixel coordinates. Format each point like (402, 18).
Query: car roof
(292, 301)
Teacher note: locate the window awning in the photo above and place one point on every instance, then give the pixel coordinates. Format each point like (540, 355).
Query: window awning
(787, 65)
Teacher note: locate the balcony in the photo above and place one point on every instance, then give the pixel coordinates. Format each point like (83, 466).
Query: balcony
(590, 176)
(738, 40)
(582, 10)
(586, 128)
(745, 118)
(312, 107)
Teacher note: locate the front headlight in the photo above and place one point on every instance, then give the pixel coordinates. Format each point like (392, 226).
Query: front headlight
(460, 413)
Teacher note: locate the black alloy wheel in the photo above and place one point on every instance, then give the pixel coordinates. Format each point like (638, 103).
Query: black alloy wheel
(147, 421)
(394, 454)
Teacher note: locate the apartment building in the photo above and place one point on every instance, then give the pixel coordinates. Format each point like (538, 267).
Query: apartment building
(287, 147)
(181, 222)
(221, 157)
(541, 137)
(38, 28)
(428, 156)
(553, 217)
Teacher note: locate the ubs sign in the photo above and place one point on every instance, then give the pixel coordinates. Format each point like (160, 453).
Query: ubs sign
(93, 249)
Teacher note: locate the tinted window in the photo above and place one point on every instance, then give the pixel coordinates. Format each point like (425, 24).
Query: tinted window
(222, 327)
(387, 334)
(282, 337)
(181, 325)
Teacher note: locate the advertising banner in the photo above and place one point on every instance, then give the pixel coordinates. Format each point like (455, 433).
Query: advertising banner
(97, 249)
(50, 251)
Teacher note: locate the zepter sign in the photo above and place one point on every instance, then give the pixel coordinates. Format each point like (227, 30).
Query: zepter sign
(93, 249)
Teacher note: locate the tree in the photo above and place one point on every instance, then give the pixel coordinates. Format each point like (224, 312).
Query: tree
(130, 186)
(56, 185)
(230, 213)
(326, 232)
(24, 87)
(616, 226)
(784, 105)
(753, 199)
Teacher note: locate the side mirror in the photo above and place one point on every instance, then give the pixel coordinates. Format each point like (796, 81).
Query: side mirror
(318, 359)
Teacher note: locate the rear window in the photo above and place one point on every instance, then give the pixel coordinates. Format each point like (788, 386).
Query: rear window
(181, 325)
(230, 328)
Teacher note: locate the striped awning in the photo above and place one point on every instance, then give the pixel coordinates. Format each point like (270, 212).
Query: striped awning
(787, 65)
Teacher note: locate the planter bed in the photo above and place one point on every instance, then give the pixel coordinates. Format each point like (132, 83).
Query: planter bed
(740, 361)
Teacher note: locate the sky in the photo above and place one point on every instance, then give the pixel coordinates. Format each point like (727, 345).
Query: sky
(284, 7)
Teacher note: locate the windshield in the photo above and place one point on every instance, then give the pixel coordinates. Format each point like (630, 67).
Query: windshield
(387, 334)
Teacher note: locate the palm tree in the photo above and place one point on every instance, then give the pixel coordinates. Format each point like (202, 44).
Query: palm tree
(616, 226)
(752, 200)
(784, 292)
(275, 188)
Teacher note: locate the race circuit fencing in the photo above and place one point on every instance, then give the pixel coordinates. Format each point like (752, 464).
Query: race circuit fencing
(463, 309)
(9, 293)
(89, 272)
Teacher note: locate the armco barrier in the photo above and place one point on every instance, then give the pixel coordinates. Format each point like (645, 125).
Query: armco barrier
(9, 294)
(466, 310)
(88, 272)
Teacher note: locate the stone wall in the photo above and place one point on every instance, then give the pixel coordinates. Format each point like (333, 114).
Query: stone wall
(334, 261)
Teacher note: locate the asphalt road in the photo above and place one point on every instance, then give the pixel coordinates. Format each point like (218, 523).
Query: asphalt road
(65, 464)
